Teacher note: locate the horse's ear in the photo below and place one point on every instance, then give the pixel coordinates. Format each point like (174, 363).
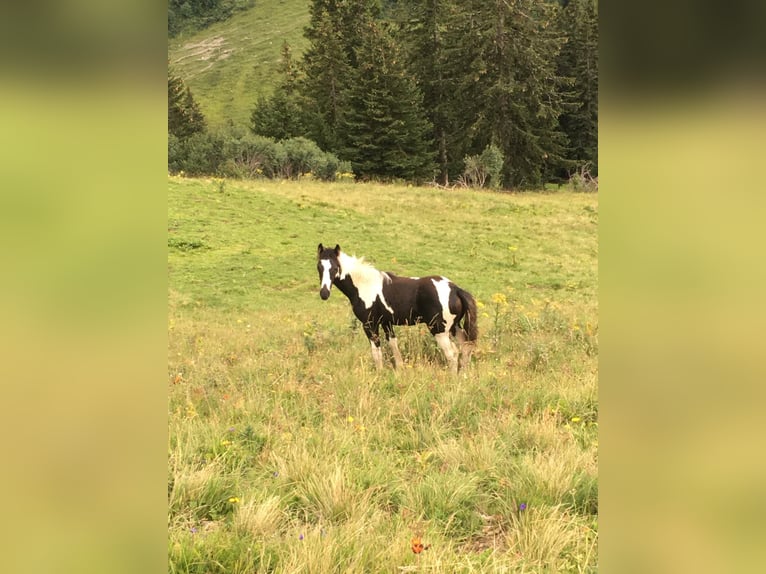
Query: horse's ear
(337, 249)
(320, 248)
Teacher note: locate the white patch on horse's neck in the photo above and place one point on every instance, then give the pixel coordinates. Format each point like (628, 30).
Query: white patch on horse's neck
(443, 291)
(367, 280)
(326, 279)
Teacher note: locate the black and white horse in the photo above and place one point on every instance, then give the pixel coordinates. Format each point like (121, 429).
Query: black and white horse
(381, 299)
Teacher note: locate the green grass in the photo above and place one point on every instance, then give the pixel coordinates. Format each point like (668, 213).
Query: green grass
(228, 65)
(288, 452)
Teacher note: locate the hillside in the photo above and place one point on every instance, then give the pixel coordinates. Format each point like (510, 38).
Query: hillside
(228, 65)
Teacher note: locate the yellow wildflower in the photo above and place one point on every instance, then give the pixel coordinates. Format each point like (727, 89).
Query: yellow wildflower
(499, 298)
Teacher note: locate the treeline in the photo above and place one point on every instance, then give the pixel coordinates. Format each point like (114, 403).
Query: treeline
(502, 93)
(198, 14)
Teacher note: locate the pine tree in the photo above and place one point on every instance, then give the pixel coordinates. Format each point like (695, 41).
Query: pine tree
(184, 115)
(279, 116)
(524, 97)
(326, 73)
(424, 32)
(579, 60)
(387, 134)
(282, 115)
(510, 93)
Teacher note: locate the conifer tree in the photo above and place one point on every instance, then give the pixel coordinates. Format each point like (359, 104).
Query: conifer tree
(184, 115)
(521, 97)
(386, 132)
(335, 31)
(282, 115)
(327, 70)
(579, 60)
(424, 32)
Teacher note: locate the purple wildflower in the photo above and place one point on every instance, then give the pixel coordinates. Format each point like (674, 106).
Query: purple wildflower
(522, 507)
(301, 536)
(193, 529)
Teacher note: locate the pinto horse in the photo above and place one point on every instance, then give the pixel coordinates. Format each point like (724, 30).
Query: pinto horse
(382, 299)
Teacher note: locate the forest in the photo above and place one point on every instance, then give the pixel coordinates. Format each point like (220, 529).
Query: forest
(481, 93)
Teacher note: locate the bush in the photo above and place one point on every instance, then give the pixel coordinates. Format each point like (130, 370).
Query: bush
(492, 160)
(582, 180)
(301, 156)
(199, 154)
(175, 153)
(330, 167)
(248, 156)
(485, 168)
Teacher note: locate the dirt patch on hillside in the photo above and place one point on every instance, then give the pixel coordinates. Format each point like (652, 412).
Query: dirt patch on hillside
(209, 50)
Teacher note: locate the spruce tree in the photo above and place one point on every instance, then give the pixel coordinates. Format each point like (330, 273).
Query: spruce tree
(184, 115)
(326, 76)
(281, 115)
(386, 132)
(529, 91)
(579, 60)
(511, 91)
(424, 32)
(335, 31)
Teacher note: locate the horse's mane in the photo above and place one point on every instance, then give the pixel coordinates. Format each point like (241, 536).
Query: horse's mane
(360, 270)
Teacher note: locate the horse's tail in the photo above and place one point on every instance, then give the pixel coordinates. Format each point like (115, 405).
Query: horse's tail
(470, 314)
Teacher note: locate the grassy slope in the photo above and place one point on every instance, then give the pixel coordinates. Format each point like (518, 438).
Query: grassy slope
(274, 403)
(228, 65)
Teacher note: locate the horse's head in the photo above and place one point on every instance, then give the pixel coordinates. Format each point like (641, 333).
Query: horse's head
(328, 267)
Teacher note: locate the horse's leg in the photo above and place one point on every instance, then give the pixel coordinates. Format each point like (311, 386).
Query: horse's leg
(377, 354)
(391, 338)
(466, 348)
(442, 339)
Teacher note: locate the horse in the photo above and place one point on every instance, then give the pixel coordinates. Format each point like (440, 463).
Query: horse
(382, 299)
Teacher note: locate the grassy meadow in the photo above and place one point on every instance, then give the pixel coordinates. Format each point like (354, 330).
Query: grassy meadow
(288, 452)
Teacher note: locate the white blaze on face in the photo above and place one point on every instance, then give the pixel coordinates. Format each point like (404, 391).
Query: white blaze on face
(443, 291)
(326, 279)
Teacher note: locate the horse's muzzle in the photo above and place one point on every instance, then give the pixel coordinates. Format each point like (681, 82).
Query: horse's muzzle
(324, 293)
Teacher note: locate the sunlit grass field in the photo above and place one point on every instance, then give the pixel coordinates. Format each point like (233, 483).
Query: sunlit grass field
(288, 452)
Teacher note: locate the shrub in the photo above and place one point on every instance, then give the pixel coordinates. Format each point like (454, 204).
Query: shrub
(199, 154)
(582, 180)
(250, 156)
(330, 167)
(246, 155)
(301, 156)
(487, 167)
(175, 154)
